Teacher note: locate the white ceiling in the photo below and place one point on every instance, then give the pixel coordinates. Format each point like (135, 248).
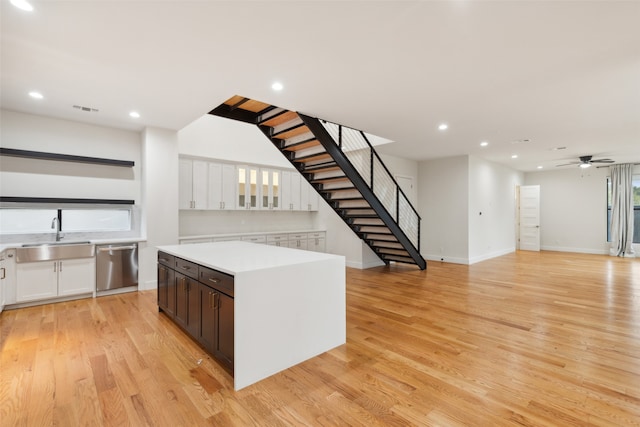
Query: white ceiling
(561, 74)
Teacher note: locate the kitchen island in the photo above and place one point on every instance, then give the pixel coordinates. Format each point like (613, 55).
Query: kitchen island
(287, 305)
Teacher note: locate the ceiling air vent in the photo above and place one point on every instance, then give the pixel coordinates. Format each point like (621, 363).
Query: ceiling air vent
(87, 109)
(521, 141)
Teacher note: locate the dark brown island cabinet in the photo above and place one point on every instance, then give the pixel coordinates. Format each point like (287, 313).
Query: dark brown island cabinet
(199, 300)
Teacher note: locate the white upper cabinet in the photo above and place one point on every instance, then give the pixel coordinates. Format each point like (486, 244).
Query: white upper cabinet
(214, 185)
(222, 186)
(308, 196)
(290, 190)
(193, 184)
(270, 182)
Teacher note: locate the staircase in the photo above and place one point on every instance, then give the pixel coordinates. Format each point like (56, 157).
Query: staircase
(343, 167)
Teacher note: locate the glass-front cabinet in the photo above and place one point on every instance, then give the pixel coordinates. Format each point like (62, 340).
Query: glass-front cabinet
(270, 186)
(248, 187)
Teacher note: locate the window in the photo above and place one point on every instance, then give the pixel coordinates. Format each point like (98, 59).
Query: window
(636, 209)
(74, 220)
(24, 221)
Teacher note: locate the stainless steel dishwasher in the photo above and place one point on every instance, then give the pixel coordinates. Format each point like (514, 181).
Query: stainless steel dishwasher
(116, 266)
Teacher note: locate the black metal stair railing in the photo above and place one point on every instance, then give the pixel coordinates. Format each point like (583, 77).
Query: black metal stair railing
(355, 145)
(356, 156)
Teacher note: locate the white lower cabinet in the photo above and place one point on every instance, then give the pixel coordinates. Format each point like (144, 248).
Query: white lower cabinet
(7, 278)
(277, 240)
(316, 241)
(50, 279)
(298, 240)
(312, 241)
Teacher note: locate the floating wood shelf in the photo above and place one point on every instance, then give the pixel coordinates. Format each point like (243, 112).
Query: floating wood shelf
(64, 157)
(60, 200)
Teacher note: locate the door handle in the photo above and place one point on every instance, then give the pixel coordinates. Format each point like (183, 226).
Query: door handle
(120, 248)
(4, 273)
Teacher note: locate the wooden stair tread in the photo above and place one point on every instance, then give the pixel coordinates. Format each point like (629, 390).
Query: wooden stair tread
(307, 143)
(249, 105)
(280, 118)
(290, 133)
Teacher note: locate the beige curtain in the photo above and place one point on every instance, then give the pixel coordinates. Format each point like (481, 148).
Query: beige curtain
(622, 211)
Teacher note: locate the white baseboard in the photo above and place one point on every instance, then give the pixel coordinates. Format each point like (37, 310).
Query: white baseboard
(444, 258)
(577, 250)
(148, 285)
(490, 255)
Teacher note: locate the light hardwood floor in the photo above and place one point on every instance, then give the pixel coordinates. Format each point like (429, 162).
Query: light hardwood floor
(527, 339)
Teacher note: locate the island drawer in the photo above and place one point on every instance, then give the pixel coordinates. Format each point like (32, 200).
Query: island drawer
(187, 268)
(217, 280)
(166, 259)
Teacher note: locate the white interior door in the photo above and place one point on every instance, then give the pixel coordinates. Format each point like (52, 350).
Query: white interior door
(530, 218)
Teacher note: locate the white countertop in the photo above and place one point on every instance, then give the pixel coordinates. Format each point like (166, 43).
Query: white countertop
(5, 246)
(237, 257)
(249, 233)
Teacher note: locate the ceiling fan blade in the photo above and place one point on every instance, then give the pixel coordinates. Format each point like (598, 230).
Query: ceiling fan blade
(569, 164)
(602, 161)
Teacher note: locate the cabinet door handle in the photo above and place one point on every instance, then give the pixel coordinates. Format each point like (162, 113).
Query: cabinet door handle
(216, 300)
(185, 267)
(214, 280)
(4, 273)
(60, 265)
(55, 267)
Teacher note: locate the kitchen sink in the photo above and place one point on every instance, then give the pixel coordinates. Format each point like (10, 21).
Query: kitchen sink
(54, 251)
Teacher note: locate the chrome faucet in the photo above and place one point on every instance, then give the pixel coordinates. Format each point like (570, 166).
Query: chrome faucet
(56, 224)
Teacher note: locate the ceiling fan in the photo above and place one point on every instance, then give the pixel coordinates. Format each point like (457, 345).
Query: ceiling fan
(586, 161)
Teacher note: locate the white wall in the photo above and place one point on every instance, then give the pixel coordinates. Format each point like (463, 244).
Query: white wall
(45, 178)
(492, 209)
(453, 192)
(399, 166)
(160, 199)
(443, 204)
(573, 210)
(220, 138)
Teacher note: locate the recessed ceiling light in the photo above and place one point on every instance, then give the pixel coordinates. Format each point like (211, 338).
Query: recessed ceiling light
(443, 126)
(484, 143)
(277, 86)
(539, 167)
(22, 4)
(514, 156)
(36, 95)
(134, 114)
